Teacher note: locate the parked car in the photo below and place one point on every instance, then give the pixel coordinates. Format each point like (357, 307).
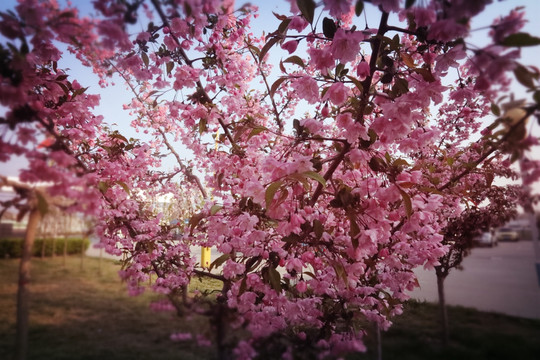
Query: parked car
(486, 238)
(507, 234)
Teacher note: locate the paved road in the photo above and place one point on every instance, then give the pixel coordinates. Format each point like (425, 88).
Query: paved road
(501, 279)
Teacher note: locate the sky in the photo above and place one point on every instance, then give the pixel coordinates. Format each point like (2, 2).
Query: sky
(114, 97)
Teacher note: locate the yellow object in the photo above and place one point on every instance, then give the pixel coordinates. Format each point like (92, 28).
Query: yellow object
(206, 257)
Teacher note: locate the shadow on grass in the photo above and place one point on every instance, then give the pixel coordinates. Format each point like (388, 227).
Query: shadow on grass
(473, 335)
(79, 314)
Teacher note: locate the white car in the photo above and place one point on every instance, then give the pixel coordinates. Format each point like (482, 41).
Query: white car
(507, 234)
(486, 238)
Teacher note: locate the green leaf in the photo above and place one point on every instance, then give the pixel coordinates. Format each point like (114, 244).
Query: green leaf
(428, 189)
(401, 86)
(282, 28)
(103, 187)
(354, 229)
(271, 191)
(301, 178)
(409, 3)
(214, 209)
(521, 39)
(318, 228)
(495, 109)
(407, 60)
(356, 82)
(407, 203)
(536, 96)
(42, 204)
(243, 286)
(195, 220)
(524, 76)
(202, 126)
(340, 270)
(267, 47)
(400, 162)
(145, 59)
(315, 176)
(256, 131)
(279, 16)
(219, 261)
(80, 91)
(118, 136)
(170, 67)
(372, 135)
(329, 27)
(387, 78)
(359, 7)
(275, 279)
(377, 164)
(64, 87)
(489, 178)
(426, 74)
(276, 85)
(307, 8)
(295, 60)
(124, 186)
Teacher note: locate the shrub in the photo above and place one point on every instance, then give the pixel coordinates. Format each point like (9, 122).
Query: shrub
(12, 248)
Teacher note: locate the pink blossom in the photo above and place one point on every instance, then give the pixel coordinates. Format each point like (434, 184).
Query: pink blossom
(321, 58)
(337, 8)
(337, 93)
(307, 88)
(424, 16)
(449, 59)
(387, 5)
(301, 286)
(143, 36)
(298, 23)
(508, 25)
(363, 70)
(446, 30)
(346, 44)
(244, 351)
(290, 46)
(231, 269)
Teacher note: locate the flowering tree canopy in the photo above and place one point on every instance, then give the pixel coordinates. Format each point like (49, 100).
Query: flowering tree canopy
(324, 179)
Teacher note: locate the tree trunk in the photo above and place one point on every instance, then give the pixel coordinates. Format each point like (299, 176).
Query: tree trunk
(65, 248)
(443, 311)
(67, 228)
(43, 234)
(54, 230)
(82, 254)
(379, 341)
(100, 259)
(54, 246)
(23, 295)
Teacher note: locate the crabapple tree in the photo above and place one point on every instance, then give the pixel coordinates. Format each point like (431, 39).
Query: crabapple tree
(323, 178)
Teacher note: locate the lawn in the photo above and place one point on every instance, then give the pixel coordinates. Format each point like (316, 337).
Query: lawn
(82, 314)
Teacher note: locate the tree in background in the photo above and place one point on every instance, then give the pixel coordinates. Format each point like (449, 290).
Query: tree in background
(336, 172)
(487, 209)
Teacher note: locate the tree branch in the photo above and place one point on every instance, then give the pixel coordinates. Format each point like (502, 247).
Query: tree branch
(529, 111)
(366, 84)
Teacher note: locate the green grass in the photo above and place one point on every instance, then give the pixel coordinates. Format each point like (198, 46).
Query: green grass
(79, 314)
(473, 335)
